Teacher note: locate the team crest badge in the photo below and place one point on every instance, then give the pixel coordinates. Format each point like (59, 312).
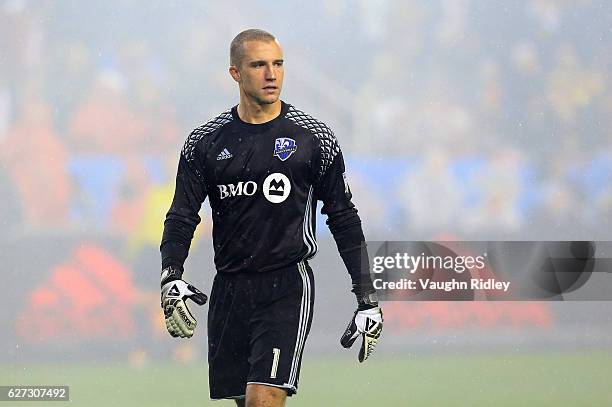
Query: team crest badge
(284, 147)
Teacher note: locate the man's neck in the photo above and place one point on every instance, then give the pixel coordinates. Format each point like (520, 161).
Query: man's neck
(255, 113)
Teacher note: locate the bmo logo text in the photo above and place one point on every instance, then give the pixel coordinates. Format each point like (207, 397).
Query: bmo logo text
(242, 188)
(276, 188)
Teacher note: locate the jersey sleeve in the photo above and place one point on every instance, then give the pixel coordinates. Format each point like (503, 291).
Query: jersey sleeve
(331, 187)
(342, 218)
(182, 218)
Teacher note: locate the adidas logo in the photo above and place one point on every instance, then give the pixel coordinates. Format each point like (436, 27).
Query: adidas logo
(370, 324)
(174, 291)
(224, 155)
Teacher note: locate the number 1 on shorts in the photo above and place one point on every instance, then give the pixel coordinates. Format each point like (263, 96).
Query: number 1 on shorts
(276, 353)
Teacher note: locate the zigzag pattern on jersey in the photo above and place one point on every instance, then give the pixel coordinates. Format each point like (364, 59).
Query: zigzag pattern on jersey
(207, 128)
(327, 140)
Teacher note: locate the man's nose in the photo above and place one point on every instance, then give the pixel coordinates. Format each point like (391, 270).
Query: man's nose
(270, 74)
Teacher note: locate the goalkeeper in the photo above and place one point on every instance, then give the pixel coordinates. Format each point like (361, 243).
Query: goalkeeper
(263, 165)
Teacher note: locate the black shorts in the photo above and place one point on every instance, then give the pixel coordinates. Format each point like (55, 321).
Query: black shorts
(257, 327)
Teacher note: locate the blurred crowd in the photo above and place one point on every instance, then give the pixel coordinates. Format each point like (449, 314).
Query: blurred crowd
(459, 119)
(469, 118)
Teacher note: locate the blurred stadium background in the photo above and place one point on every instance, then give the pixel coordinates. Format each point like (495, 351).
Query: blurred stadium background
(464, 119)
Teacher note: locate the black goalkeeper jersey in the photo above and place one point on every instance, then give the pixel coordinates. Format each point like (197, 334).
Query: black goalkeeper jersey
(263, 182)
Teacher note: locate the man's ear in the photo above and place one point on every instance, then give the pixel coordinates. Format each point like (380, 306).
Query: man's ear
(234, 73)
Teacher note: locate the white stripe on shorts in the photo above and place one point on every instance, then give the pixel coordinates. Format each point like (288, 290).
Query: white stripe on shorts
(304, 316)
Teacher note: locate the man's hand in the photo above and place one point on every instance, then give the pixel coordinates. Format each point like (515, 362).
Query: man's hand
(174, 292)
(368, 324)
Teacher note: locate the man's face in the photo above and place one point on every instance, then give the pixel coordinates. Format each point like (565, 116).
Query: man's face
(261, 73)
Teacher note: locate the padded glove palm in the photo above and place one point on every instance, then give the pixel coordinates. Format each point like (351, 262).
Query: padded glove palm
(367, 324)
(179, 320)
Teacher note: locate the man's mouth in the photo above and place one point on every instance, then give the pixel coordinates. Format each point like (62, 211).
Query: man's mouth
(270, 88)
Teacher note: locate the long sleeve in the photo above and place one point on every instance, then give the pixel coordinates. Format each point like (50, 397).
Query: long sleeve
(345, 224)
(182, 218)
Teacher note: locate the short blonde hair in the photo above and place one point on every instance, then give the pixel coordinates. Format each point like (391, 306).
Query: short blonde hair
(237, 45)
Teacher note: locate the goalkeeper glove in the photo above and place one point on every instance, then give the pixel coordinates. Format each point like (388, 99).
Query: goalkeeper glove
(174, 293)
(367, 323)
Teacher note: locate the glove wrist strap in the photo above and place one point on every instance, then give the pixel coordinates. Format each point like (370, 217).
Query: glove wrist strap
(170, 273)
(366, 298)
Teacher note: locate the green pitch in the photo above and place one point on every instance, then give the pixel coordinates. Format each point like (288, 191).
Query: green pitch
(537, 379)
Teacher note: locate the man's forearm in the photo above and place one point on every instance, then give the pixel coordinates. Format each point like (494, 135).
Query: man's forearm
(176, 241)
(182, 217)
(177, 236)
(346, 228)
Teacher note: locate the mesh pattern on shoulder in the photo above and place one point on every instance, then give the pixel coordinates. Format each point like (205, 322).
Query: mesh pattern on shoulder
(328, 142)
(205, 129)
